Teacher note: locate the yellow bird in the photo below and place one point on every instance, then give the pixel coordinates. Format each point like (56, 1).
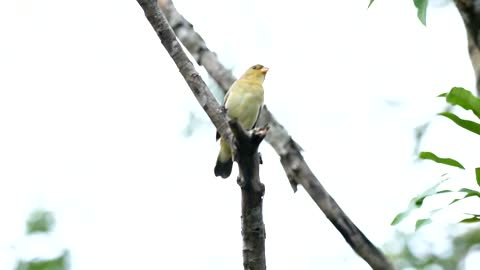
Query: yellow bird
(243, 102)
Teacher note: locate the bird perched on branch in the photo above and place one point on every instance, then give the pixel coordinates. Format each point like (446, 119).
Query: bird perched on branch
(243, 102)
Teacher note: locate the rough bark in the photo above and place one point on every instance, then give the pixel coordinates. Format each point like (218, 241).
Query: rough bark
(196, 45)
(470, 12)
(289, 151)
(247, 157)
(253, 228)
(199, 89)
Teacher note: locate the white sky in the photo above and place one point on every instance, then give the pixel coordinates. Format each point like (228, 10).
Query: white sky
(92, 113)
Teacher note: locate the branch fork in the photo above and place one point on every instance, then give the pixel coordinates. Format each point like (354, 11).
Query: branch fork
(248, 159)
(246, 155)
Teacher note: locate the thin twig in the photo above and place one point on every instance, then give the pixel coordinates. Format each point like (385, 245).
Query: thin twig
(289, 151)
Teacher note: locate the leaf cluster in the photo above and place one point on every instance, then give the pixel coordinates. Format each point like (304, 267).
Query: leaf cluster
(459, 97)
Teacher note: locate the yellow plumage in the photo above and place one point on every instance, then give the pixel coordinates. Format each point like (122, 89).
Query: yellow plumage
(243, 102)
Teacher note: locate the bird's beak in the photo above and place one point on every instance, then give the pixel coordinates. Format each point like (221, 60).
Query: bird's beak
(264, 70)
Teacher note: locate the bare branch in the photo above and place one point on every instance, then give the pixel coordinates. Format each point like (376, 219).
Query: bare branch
(191, 76)
(196, 45)
(470, 11)
(253, 228)
(289, 151)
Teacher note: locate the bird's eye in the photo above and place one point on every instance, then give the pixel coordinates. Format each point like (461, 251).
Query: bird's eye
(255, 67)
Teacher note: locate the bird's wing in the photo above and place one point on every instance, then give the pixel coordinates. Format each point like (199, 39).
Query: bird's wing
(226, 97)
(217, 136)
(258, 116)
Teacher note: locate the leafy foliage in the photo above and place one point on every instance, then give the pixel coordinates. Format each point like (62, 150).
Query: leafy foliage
(422, 222)
(465, 99)
(40, 221)
(446, 161)
(457, 97)
(473, 219)
(405, 256)
(477, 175)
(62, 262)
(417, 202)
(466, 124)
(421, 6)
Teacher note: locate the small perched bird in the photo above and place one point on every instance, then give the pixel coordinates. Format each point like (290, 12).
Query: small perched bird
(243, 102)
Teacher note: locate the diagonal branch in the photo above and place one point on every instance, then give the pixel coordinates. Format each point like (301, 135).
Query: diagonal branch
(289, 151)
(196, 45)
(253, 228)
(191, 76)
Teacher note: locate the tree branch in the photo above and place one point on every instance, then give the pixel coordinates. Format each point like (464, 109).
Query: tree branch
(289, 151)
(470, 12)
(196, 45)
(246, 150)
(253, 228)
(199, 89)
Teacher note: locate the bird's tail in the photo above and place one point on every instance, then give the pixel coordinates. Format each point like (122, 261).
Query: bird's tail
(224, 164)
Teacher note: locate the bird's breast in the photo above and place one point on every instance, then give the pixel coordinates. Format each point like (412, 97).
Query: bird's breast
(245, 106)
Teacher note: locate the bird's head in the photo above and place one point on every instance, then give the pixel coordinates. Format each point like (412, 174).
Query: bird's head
(255, 73)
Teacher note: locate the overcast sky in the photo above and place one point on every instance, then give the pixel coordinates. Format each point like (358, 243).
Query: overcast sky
(93, 115)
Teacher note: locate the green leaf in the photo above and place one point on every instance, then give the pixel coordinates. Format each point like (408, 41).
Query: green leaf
(443, 95)
(454, 201)
(466, 124)
(369, 4)
(40, 221)
(399, 217)
(446, 161)
(417, 202)
(470, 220)
(444, 191)
(467, 190)
(422, 222)
(465, 99)
(470, 192)
(60, 263)
(421, 6)
(414, 203)
(477, 175)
